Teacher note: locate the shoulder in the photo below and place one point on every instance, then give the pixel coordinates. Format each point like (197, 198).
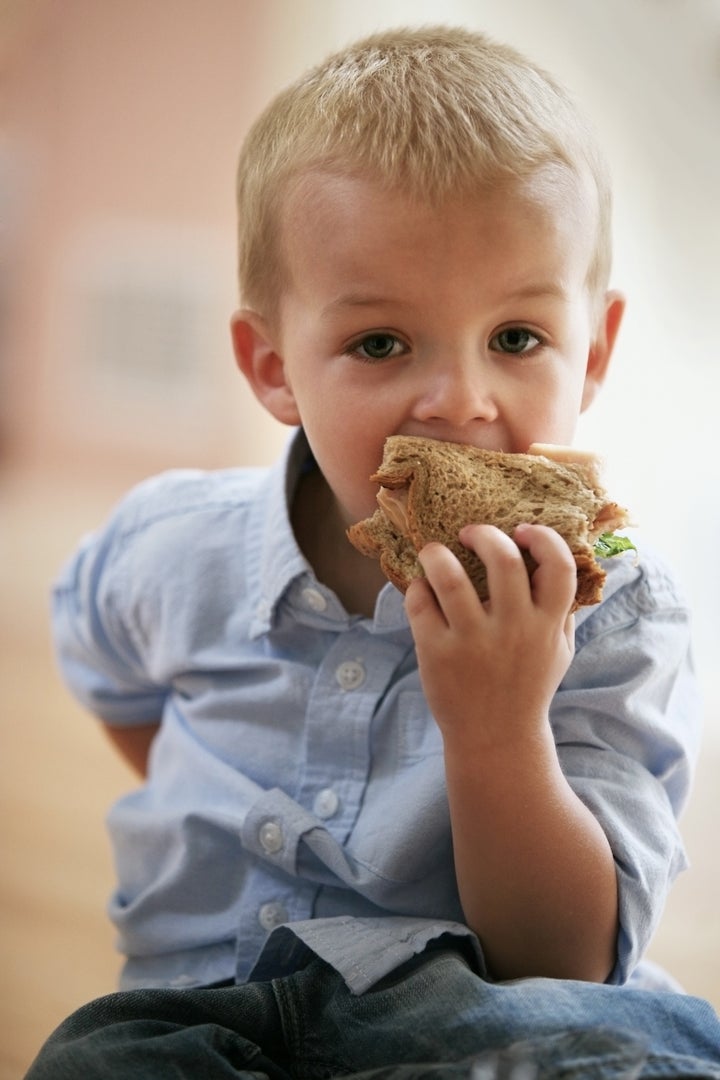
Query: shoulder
(638, 586)
(184, 531)
(177, 556)
(167, 528)
(186, 495)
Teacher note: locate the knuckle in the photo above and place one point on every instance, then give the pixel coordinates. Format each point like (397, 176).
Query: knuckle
(508, 555)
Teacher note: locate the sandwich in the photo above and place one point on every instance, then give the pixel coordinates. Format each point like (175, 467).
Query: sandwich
(430, 489)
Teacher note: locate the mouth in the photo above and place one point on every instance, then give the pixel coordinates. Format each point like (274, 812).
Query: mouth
(459, 440)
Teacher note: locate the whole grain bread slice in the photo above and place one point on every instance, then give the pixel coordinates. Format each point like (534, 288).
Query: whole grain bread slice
(430, 489)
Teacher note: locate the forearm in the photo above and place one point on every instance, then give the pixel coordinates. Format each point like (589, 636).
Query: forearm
(535, 872)
(133, 744)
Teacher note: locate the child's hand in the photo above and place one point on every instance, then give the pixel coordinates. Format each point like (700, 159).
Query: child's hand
(490, 670)
(535, 872)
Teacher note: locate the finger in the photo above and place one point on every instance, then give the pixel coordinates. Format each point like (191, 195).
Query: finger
(570, 632)
(507, 574)
(452, 588)
(421, 604)
(554, 580)
(426, 617)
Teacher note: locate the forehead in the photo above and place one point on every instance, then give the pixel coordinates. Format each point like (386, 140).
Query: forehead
(351, 225)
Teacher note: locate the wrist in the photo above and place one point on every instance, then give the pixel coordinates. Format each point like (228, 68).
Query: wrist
(500, 739)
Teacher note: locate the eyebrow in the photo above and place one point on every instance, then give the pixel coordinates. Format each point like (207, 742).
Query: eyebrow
(362, 300)
(532, 292)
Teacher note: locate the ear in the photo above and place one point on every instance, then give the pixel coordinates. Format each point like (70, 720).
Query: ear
(602, 346)
(263, 366)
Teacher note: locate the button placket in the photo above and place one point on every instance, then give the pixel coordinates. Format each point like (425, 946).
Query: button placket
(272, 914)
(351, 677)
(326, 804)
(350, 674)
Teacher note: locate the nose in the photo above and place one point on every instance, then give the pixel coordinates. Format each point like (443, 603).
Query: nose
(457, 393)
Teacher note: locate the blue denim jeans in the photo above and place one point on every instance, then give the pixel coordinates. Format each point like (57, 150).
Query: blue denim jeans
(432, 1018)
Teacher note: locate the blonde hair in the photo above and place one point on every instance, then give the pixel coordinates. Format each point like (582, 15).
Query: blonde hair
(434, 111)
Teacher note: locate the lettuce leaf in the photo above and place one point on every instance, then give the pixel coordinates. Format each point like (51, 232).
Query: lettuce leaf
(609, 544)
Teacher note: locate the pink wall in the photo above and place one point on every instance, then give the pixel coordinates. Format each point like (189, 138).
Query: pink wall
(123, 123)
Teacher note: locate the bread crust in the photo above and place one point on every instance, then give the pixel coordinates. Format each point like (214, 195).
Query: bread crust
(446, 485)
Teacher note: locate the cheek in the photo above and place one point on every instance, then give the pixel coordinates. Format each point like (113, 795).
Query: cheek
(550, 412)
(348, 456)
(349, 480)
(347, 449)
(568, 405)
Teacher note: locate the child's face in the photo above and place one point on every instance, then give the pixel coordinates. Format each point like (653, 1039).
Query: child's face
(471, 323)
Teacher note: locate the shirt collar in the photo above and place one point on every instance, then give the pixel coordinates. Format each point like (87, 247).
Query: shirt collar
(275, 560)
(278, 571)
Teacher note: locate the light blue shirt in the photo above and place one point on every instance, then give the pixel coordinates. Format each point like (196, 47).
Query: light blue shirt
(296, 795)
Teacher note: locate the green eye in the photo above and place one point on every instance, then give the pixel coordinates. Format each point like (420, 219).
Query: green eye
(514, 340)
(378, 346)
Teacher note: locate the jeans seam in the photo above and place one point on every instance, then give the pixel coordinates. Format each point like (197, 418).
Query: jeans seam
(293, 1018)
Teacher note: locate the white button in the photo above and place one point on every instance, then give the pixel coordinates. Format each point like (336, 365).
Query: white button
(314, 599)
(350, 674)
(271, 915)
(326, 803)
(271, 837)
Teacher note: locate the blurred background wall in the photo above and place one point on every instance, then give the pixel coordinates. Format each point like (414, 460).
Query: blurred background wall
(119, 129)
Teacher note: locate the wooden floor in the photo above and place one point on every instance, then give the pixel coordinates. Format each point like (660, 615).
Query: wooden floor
(58, 777)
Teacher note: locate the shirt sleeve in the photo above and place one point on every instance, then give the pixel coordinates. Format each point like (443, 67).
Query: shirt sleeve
(96, 627)
(627, 723)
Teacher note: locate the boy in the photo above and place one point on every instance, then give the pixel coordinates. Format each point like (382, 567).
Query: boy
(377, 833)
